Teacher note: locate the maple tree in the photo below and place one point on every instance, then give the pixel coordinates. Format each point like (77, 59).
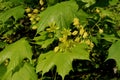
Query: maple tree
(59, 39)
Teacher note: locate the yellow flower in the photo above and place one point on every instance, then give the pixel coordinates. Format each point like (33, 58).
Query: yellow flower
(33, 22)
(35, 11)
(76, 22)
(42, 8)
(38, 18)
(63, 39)
(29, 15)
(88, 42)
(28, 10)
(91, 45)
(85, 34)
(82, 31)
(66, 32)
(41, 2)
(100, 31)
(56, 49)
(31, 19)
(77, 39)
(34, 27)
(75, 33)
(97, 10)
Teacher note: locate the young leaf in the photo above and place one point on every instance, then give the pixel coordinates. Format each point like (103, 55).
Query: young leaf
(4, 16)
(110, 38)
(45, 43)
(62, 14)
(63, 60)
(16, 53)
(88, 2)
(114, 52)
(27, 72)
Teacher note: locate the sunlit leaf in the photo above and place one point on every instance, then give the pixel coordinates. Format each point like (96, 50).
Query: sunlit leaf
(63, 60)
(110, 38)
(88, 2)
(16, 53)
(106, 13)
(114, 52)
(16, 12)
(52, 2)
(27, 72)
(62, 14)
(45, 43)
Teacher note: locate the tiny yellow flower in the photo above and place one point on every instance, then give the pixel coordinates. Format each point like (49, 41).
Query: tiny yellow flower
(28, 10)
(33, 22)
(97, 10)
(61, 39)
(77, 39)
(100, 31)
(34, 27)
(29, 15)
(85, 34)
(35, 11)
(88, 42)
(82, 31)
(33, 16)
(37, 19)
(31, 19)
(91, 45)
(41, 2)
(76, 22)
(42, 8)
(75, 33)
(56, 49)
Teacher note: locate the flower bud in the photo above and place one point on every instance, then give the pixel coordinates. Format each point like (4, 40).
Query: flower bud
(34, 27)
(41, 2)
(56, 49)
(28, 10)
(35, 11)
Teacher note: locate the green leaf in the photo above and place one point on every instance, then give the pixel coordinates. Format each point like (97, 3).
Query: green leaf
(62, 14)
(110, 38)
(88, 2)
(3, 69)
(27, 72)
(114, 52)
(52, 2)
(82, 16)
(106, 13)
(16, 12)
(5, 5)
(63, 60)
(17, 1)
(16, 52)
(113, 2)
(45, 43)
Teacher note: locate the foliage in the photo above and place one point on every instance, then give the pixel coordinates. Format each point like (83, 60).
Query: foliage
(48, 60)
(62, 18)
(114, 52)
(59, 39)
